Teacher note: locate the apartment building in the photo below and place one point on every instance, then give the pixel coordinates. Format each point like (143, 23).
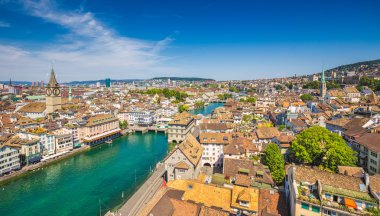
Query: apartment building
(312, 192)
(181, 125)
(9, 159)
(369, 152)
(63, 140)
(213, 144)
(29, 147)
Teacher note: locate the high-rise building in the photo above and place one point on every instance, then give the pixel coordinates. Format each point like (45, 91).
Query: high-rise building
(53, 94)
(323, 86)
(108, 82)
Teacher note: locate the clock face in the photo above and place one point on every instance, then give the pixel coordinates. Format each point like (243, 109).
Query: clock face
(48, 91)
(56, 91)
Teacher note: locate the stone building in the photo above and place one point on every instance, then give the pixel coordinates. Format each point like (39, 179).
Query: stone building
(181, 125)
(184, 161)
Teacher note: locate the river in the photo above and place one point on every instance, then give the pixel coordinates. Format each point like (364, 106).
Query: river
(76, 186)
(207, 109)
(90, 182)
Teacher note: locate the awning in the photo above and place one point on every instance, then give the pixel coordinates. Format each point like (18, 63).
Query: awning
(350, 203)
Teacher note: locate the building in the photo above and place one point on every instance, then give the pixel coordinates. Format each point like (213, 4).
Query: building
(9, 159)
(98, 129)
(108, 82)
(29, 147)
(184, 161)
(213, 144)
(145, 118)
(313, 192)
(63, 140)
(33, 110)
(181, 125)
(369, 152)
(53, 94)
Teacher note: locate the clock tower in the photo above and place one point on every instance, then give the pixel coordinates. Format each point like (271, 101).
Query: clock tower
(53, 94)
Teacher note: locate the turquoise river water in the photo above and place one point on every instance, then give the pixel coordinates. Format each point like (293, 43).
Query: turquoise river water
(90, 182)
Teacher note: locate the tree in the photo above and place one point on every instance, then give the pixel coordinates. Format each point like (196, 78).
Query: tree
(279, 87)
(289, 85)
(123, 124)
(248, 100)
(320, 147)
(183, 108)
(306, 97)
(199, 104)
(233, 89)
(275, 161)
(224, 96)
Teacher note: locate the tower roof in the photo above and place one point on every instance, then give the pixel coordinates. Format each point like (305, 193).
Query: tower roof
(52, 80)
(323, 75)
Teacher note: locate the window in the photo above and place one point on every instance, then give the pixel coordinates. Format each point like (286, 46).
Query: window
(328, 196)
(305, 206)
(315, 209)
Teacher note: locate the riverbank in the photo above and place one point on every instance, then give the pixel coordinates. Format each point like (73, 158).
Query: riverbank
(99, 178)
(27, 169)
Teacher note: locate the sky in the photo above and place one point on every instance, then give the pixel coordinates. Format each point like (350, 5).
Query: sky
(218, 39)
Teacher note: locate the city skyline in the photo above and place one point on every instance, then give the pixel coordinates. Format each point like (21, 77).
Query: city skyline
(217, 40)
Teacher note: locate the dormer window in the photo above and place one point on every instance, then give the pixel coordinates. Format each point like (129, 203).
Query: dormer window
(243, 203)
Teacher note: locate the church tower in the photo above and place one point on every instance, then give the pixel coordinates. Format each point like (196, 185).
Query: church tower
(323, 86)
(70, 95)
(53, 94)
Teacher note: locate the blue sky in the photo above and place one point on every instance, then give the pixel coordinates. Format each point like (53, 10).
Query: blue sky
(217, 39)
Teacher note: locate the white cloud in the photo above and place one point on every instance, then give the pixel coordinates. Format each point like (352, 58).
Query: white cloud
(4, 24)
(91, 50)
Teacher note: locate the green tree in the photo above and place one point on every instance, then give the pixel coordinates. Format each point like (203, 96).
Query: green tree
(289, 85)
(183, 108)
(199, 104)
(123, 124)
(233, 89)
(281, 127)
(248, 100)
(275, 161)
(312, 85)
(224, 96)
(318, 146)
(306, 97)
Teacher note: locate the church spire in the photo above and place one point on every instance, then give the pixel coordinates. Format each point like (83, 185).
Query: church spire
(323, 74)
(52, 81)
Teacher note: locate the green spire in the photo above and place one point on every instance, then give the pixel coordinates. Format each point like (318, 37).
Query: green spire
(70, 94)
(323, 74)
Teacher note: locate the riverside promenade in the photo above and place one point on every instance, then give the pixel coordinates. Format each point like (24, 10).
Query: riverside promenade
(139, 199)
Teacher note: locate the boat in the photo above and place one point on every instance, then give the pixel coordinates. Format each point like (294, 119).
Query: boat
(109, 141)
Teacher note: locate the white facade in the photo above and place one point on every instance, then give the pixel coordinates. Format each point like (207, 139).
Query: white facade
(63, 140)
(212, 154)
(140, 118)
(9, 159)
(48, 144)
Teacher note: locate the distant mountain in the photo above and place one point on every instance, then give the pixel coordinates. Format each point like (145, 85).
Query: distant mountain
(102, 82)
(358, 66)
(16, 82)
(183, 78)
